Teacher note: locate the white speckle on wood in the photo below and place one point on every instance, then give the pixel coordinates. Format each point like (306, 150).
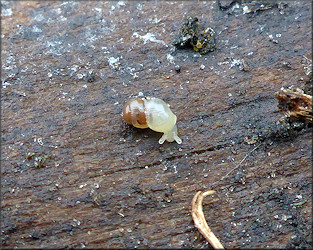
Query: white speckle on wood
(245, 9)
(139, 6)
(149, 37)
(121, 3)
(6, 12)
(80, 76)
(113, 62)
(170, 58)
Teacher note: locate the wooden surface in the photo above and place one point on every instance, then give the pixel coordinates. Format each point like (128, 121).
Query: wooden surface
(74, 175)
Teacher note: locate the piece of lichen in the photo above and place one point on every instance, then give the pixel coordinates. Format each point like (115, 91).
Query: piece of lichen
(205, 42)
(192, 35)
(188, 32)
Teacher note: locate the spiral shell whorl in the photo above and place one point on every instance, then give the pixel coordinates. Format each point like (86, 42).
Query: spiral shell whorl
(134, 113)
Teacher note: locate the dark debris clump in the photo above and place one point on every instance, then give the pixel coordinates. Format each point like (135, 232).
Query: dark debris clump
(192, 35)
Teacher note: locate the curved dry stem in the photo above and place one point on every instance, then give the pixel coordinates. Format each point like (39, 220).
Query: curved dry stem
(199, 219)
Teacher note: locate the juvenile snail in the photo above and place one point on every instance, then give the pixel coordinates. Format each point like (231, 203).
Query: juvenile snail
(153, 113)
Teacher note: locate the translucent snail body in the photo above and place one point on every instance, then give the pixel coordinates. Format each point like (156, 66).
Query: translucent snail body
(153, 113)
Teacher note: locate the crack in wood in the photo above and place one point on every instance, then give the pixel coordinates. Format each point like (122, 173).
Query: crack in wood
(235, 105)
(173, 157)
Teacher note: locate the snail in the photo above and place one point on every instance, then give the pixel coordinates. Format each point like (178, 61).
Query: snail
(153, 113)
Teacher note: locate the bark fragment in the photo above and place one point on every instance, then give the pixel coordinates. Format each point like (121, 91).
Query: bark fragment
(295, 104)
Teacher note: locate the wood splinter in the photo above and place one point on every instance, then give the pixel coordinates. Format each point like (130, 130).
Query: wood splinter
(295, 104)
(199, 219)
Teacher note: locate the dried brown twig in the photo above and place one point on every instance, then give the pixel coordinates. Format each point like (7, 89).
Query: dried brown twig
(199, 219)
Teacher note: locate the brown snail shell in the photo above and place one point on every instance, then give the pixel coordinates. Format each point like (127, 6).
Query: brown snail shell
(153, 113)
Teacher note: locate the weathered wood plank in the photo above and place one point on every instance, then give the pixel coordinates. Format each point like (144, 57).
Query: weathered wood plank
(74, 175)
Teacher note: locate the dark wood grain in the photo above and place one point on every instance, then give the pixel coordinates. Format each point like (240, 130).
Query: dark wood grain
(73, 174)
